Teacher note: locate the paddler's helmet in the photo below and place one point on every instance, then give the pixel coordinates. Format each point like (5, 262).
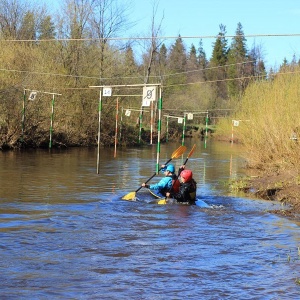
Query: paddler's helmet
(187, 175)
(169, 168)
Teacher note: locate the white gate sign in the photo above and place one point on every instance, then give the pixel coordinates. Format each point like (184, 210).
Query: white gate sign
(180, 120)
(107, 91)
(190, 116)
(32, 96)
(149, 93)
(127, 113)
(146, 102)
(236, 123)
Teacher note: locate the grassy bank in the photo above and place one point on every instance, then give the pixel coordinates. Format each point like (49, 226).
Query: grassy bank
(269, 128)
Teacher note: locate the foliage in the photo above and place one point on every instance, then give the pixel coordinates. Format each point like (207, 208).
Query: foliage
(268, 125)
(68, 53)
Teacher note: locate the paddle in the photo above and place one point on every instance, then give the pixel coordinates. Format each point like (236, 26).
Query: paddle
(178, 152)
(164, 201)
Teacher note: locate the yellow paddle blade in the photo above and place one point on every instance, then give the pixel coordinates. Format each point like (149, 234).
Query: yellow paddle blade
(178, 152)
(129, 196)
(192, 151)
(162, 202)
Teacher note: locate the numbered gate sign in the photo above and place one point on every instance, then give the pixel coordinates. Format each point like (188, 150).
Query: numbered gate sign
(32, 96)
(146, 102)
(236, 123)
(107, 91)
(190, 116)
(127, 113)
(180, 120)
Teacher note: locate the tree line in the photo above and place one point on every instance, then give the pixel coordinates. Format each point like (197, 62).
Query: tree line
(76, 48)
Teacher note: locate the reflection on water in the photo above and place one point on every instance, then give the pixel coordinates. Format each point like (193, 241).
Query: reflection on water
(66, 234)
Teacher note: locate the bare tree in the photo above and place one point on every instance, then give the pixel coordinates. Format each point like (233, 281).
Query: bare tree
(108, 19)
(11, 15)
(153, 49)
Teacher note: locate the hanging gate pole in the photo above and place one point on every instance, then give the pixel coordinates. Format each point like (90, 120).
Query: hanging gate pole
(99, 129)
(160, 104)
(23, 116)
(51, 122)
(116, 131)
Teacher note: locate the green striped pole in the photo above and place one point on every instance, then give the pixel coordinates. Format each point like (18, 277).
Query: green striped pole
(160, 101)
(51, 122)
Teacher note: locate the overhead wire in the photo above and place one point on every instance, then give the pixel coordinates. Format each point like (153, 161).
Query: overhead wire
(143, 38)
(151, 38)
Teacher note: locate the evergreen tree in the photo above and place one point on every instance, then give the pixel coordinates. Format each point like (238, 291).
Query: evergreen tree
(46, 29)
(27, 30)
(284, 65)
(202, 61)
(177, 58)
(217, 63)
(237, 63)
(178, 61)
(130, 66)
(192, 64)
(220, 48)
(163, 52)
(163, 60)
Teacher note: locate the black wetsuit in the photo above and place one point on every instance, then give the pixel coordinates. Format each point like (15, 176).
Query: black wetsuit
(187, 192)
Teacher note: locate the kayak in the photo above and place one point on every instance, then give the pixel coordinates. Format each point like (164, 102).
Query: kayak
(163, 201)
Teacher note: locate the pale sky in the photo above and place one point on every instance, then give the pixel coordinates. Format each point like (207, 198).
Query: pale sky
(201, 18)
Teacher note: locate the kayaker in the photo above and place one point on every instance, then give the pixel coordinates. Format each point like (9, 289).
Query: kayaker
(166, 184)
(187, 189)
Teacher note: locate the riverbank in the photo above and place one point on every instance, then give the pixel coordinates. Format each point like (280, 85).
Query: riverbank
(282, 186)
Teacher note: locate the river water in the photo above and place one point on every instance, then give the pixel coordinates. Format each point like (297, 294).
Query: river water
(66, 233)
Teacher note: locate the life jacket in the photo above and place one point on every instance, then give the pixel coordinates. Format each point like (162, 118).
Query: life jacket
(192, 190)
(175, 186)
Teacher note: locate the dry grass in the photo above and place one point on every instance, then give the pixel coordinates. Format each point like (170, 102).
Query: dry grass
(269, 115)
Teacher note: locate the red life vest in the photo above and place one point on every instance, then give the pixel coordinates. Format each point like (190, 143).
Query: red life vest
(175, 185)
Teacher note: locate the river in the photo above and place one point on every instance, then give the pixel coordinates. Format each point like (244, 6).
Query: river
(67, 234)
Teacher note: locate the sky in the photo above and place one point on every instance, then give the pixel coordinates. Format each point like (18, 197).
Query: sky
(201, 18)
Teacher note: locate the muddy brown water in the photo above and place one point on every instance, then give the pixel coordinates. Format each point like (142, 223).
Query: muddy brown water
(66, 234)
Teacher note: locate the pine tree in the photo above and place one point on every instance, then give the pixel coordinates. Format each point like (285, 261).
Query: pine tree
(237, 61)
(163, 52)
(27, 30)
(202, 61)
(178, 61)
(192, 64)
(177, 58)
(46, 29)
(218, 62)
(130, 66)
